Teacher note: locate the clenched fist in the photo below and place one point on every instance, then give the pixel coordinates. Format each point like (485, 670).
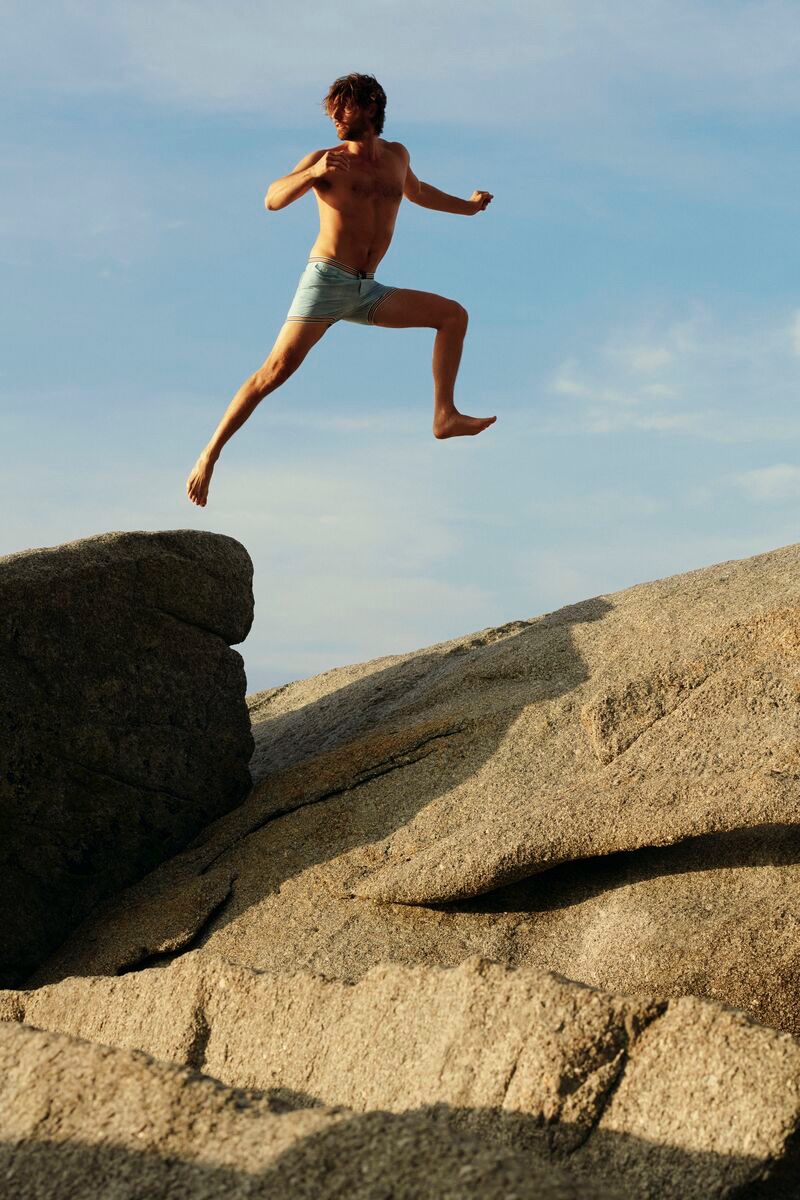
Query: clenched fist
(480, 201)
(332, 162)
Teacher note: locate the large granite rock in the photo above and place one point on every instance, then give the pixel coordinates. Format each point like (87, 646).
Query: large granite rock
(675, 1101)
(609, 791)
(107, 1122)
(124, 724)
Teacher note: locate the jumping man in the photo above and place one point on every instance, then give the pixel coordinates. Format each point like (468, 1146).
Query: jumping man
(359, 186)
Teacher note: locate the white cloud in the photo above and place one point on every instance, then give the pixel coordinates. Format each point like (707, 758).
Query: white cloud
(564, 383)
(610, 502)
(725, 382)
(644, 359)
(556, 59)
(795, 333)
(771, 484)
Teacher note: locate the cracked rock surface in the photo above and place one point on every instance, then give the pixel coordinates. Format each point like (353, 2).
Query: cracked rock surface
(124, 723)
(678, 1100)
(359, 956)
(110, 1122)
(610, 791)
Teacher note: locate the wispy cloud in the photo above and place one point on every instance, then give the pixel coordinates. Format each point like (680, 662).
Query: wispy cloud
(794, 333)
(579, 57)
(771, 484)
(718, 380)
(644, 360)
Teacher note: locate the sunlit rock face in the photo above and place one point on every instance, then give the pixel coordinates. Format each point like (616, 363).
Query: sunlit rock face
(525, 901)
(124, 723)
(412, 1082)
(610, 791)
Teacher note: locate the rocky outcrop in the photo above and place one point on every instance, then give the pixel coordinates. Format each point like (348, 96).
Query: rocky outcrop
(102, 1121)
(632, 759)
(610, 792)
(124, 724)
(670, 1100)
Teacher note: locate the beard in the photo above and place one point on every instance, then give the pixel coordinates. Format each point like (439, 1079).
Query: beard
(355, 131)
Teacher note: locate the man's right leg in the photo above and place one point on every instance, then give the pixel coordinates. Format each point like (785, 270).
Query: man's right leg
(293, 343)
(405, 309)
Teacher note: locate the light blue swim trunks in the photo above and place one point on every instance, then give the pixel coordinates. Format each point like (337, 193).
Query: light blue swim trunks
(329, 291)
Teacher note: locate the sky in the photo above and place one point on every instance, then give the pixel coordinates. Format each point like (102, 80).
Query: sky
(632, 289)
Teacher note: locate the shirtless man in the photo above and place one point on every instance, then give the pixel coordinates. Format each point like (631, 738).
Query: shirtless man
(359, 187)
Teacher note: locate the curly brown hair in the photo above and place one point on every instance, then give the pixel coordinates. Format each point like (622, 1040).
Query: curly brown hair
(363, 90)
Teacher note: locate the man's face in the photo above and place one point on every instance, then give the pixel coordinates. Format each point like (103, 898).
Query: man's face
(352, 123)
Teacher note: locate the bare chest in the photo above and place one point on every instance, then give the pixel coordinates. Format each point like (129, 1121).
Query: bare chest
(378, 187)
(362, 184)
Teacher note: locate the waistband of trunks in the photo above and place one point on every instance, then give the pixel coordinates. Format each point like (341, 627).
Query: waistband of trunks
(333, 262)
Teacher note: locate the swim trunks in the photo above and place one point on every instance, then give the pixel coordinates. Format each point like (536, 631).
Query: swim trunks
(329, 291)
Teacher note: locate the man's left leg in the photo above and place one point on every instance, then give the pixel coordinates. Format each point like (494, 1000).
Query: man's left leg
(407, 309)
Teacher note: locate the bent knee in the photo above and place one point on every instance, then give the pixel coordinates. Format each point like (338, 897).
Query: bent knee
(456, 316)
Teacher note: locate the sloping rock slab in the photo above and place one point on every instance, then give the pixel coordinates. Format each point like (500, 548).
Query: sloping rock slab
(101, 1122)
(675, 1100)
(665, 711)
(124, 724)
(716, 916)
(350, 762)
(479, 1037)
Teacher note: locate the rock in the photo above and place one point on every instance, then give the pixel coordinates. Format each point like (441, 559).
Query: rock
(704, 1108)
(609, 791)
(680, 1100)
(125, 728)
(102, 1121)
(633, 759)
(478, 1038)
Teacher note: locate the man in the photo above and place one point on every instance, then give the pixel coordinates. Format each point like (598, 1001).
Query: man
(359, 187)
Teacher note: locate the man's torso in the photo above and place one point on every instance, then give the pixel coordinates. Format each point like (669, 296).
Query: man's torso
(358, 208)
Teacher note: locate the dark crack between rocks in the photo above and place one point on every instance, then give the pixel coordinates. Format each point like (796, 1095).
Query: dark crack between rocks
(163, 957)
(627, 1052)
(395, 762)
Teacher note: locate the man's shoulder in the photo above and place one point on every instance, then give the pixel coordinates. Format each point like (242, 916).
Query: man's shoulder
(309, 159)
(396, 148)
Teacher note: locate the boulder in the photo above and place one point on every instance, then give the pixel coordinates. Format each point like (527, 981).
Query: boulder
(125, 729)
(609, 791)
(680, 1100)
(103, 1121)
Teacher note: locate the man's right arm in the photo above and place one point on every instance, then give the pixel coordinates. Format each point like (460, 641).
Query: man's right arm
(296, 183)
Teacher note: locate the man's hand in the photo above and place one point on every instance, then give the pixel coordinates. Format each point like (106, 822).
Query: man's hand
(331, 163)
(480, 201)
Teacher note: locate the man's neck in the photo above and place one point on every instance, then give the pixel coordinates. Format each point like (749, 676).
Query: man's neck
(368, 147)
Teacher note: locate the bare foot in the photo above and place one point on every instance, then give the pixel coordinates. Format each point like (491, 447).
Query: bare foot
(198, 481)
(456, 424)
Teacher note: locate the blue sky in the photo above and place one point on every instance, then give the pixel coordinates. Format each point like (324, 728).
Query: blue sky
(633, 297)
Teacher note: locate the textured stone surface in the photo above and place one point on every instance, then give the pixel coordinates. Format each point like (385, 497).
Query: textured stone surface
(109, 1122)
(681, 1100)
(478, 1038)
(123, 715)
(610, 791)
(366, 765)
(706, 1089)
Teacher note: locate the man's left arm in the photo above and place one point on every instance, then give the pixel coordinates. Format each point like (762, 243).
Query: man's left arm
(428, 196)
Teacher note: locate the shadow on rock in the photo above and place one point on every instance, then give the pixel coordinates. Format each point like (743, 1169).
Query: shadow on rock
(574, 882)
(438, 714)
(430, 1153)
